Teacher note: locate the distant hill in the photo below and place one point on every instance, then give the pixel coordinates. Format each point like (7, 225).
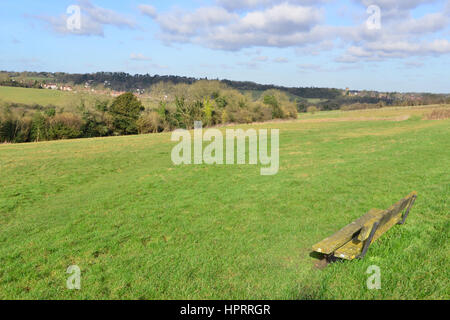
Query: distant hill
(121, 81)
(324, 98)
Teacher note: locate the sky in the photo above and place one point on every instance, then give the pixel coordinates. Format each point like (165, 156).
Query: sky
(383, 45)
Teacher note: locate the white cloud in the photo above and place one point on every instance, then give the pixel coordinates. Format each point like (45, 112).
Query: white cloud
(283, 18)
(380, 50)
(432, 22)
(395, 4)
(234, 25)
(279, 26)
(179, 23)
(240, 5)
(139, 57)
(408, 48)
(358, 52)
(395, 9)
(148, 10)
(398, 38)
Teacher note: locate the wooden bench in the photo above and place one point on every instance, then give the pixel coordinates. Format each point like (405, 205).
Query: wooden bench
(354, 240)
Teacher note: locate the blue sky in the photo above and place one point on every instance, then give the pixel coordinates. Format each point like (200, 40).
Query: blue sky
(321, 43)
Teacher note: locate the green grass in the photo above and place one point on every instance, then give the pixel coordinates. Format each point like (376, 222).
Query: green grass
(141, 228)
(45, 97)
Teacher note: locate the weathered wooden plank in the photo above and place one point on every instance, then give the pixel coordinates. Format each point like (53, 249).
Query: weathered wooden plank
(368, 226)
(387, 219)
(337, 240)
(353, 249)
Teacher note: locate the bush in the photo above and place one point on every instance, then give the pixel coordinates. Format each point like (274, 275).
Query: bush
(65, 126)
(24, 134)
(14, 129)
(95, 125)
(243, 116)
(39, 128)
(50, 112)
(9, 128)
(312, 109)
(289, 111)
(272, 101)
(261, 112)
(150, 123)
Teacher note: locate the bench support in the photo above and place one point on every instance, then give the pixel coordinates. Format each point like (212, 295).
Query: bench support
(411, 203)
(368, 242)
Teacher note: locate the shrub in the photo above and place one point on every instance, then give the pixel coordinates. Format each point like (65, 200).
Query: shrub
(289, 110)
(65, 126)
(272, 101)
(150, 123)
(14, 129)
(225, 118)
(170, 117)
(312, 109)
(95, 125)
(39, 128)
(243, 116)
(24, 134)
(9, 128)
(261, 112)
(50, 112)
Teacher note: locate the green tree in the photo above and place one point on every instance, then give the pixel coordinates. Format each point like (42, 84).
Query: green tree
(125, 111)
(272, 101)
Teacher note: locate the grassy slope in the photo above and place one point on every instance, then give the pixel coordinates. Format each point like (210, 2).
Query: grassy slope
(140, 227)
(68, 100)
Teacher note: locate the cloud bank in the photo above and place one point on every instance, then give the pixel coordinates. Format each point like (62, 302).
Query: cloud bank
(235, 25)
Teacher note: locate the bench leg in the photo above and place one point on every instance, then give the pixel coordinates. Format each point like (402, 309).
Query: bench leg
(411, 203)
(368, 241)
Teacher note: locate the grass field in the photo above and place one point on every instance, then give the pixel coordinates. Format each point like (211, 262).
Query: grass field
(63, 99)
(141, 228)
(45, 97)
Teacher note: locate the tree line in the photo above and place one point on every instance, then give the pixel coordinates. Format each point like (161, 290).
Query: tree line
(330, 98)
(211, 102)
(121, 81)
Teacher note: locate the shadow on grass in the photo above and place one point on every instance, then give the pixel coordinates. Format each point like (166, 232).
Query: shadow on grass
(323, 260)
